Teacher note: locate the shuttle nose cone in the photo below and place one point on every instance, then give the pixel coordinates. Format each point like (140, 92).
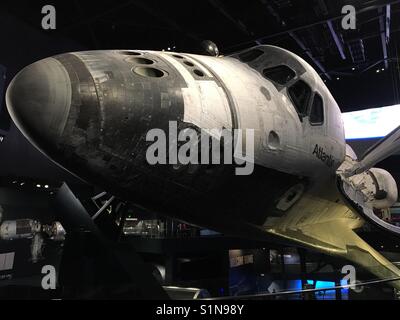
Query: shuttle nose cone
(38, 100)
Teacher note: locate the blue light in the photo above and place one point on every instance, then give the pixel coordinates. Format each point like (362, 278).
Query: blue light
(324, 284)
(329, 294)
(344, 283)
(294, 285)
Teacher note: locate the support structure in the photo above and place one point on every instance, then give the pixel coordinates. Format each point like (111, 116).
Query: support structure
(384, 23)
(94, 266)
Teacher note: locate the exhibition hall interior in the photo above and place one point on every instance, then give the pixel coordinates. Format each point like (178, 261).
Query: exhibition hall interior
(200, 150)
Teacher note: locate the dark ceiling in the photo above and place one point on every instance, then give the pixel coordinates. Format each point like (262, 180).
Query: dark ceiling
(310, 28)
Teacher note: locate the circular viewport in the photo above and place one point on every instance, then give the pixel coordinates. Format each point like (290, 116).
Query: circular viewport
(149, 72)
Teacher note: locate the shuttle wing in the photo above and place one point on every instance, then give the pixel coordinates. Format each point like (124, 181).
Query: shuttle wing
(328, 226)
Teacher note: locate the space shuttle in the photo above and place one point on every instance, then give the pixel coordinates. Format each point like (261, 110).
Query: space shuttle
(91, 112)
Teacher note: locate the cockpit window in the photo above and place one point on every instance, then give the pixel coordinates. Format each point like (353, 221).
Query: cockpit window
(300, 93)
(251, 55)
(317, 111)
(281, 74)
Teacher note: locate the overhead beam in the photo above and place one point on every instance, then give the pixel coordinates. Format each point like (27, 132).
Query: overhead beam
(359, 11)
(363, 67)
(370, 6)
(309, 53)
(278, 18)
(335, 37)
(384, 23)
(375, 35)
(388, 21)
(221, 8)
